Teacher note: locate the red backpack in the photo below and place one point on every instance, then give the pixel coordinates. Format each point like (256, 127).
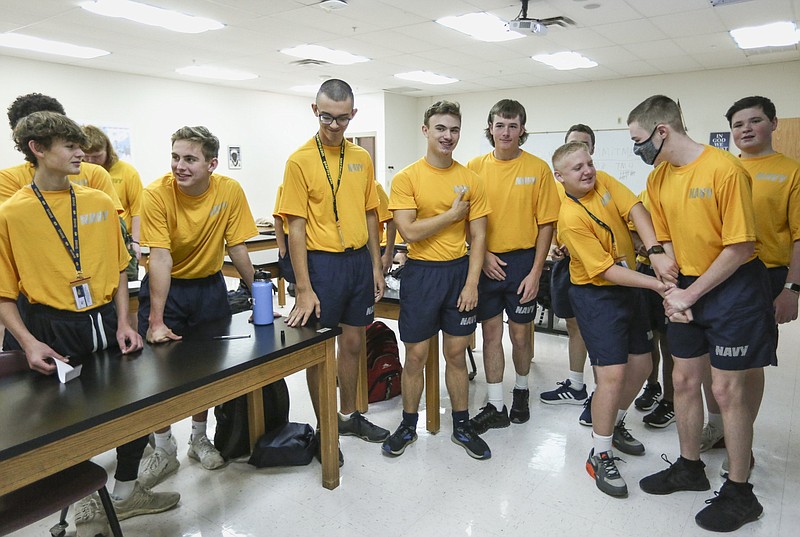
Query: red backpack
(384, 369)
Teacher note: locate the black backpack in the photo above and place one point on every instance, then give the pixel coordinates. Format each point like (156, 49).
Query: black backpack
(232, 438)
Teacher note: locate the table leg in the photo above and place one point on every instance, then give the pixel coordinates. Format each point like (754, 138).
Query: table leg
(432, 386)
(328, 426)
(255, 416)
(281, 292)
(362, 389)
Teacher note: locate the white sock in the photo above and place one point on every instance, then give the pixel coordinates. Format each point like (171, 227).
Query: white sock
(621, 415)
(601, 443)
(576, 380)
(198, 429)
(715, 419)
(495, 392)
(522, 382)
(344, 417)
(163, 442)
(123, 489)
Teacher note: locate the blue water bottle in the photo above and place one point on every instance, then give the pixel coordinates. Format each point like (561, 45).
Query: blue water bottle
(262, 298)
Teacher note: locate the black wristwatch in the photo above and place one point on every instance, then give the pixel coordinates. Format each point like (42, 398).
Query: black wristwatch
(657, 249)
(794, 287)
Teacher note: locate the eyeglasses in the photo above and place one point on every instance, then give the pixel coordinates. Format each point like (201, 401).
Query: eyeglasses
(327, 119)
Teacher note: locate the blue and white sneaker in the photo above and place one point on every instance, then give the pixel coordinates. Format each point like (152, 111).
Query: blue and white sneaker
(565, 394)
(586, 415)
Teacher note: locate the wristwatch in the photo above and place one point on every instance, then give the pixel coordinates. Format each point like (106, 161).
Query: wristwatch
(793, 287)
(657, 249)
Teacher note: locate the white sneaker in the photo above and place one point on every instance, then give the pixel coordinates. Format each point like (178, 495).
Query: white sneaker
(144, 501)
(201, 449)
(713, 436)
(157, 467)
(90, 518)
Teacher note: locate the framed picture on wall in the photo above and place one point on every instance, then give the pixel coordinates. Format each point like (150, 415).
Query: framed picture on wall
(234, 157)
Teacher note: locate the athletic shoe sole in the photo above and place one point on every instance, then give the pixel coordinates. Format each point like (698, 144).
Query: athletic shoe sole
(476, 456)
(565, 401)
(390, 453)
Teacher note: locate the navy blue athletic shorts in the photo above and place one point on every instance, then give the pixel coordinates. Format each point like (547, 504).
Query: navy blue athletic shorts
(495, 296)
(777, 279)
(559, 289)
(734, 322)
(613, 322)
(190, 302)
(429, 300)
(653, 303)
(344, 286)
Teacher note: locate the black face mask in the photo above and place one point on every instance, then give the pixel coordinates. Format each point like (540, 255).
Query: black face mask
(647, 150)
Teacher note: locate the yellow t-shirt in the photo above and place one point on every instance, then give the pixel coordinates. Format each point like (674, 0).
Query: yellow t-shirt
(276, 212)
(431, 191)
(196, 229)
(91, 175)
(128, 186)
(592, 250)
(776, 199)
(307, 194)
(522, 195)
(562, 195)
(33, 258)
(384, 214)
(702, 207)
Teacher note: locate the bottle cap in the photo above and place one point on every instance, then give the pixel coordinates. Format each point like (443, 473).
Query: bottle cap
(261, 276)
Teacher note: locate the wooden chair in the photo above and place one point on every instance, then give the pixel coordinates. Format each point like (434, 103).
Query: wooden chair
(56, 492)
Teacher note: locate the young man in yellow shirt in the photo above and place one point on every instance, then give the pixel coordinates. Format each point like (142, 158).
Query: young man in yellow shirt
(702, 206)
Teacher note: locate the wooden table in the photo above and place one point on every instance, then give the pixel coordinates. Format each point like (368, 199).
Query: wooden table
(48, 427)
(389, 308)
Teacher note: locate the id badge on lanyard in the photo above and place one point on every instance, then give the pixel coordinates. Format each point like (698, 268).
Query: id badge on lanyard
(82, 293)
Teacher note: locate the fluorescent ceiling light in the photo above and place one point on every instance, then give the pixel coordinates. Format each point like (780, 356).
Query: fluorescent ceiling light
(776, 34)
(426, 77)
(316, 52)
(481, 26)
(151, 15)
(565, 61)
(207, 71)
(36, 44)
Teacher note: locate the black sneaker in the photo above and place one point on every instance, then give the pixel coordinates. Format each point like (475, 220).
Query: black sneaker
(662, 416)
(733, 506)
(624, 441)
(586, 415)
(361, 427)
(318, 453)
(603, 469)
(398, 441)
(464, 436)
(490, 418)
(520, 409)
(679, 476)
(649, 397)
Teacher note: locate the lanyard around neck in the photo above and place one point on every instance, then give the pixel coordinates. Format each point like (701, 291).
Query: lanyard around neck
(334, 190)
(74, 250)
(597, 220)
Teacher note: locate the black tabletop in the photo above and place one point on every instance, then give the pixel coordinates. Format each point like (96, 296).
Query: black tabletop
(38, 409)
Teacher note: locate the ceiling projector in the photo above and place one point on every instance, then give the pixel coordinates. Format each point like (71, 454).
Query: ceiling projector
(532, 26)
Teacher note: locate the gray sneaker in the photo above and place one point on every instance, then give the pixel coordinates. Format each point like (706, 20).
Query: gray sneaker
(201, 449)
(144, 501)
(361, 427)
(625, 442)
(157, 467)
(713, 437)
(90, 517)
(603, 469)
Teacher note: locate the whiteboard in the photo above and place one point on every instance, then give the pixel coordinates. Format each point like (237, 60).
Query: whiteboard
(613, 154)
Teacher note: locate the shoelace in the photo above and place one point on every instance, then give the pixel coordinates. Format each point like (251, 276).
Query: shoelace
(86, 509)
(153, 462)
(610, 466)
(666, 459)
(624, 432)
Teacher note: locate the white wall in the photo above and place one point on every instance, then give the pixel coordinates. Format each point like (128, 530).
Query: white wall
(402, 134)
(705, 96)
(267, 126)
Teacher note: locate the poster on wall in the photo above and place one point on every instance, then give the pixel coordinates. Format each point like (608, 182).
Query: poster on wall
(721, 140)
(120, 140)
(234, 157)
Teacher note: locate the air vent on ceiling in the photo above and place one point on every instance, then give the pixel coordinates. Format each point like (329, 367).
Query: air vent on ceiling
(768, 50)
(716, 3)
(309, 61)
